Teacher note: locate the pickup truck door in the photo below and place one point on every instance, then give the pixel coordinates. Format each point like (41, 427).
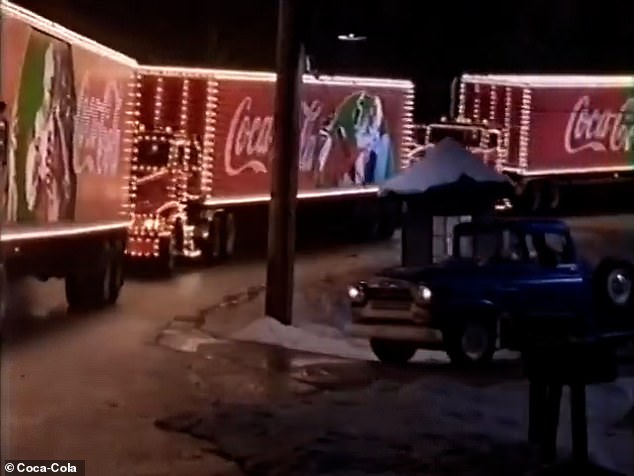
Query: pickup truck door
(551, 291)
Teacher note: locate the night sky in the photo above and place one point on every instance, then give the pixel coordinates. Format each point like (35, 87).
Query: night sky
(427, 41)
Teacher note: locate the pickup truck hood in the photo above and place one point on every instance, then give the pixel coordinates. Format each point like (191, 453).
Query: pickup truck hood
(450, 269)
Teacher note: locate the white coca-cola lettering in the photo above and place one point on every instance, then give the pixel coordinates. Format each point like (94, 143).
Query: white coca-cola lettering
(252, 136)
(308, 136)
(599, 130)
(247, 136)
(98, 134)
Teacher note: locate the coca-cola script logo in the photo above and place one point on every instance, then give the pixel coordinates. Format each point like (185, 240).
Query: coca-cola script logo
(250, 138)
(599, 130)
(98, 132)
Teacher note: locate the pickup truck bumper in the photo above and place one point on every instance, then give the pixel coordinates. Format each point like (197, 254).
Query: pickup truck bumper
(409, 333)
(403, 323)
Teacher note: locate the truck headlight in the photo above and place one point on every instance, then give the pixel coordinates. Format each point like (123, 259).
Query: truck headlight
(423, 294)
(356, 294)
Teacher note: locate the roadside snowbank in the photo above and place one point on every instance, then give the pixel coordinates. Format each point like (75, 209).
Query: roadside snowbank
(327, 340)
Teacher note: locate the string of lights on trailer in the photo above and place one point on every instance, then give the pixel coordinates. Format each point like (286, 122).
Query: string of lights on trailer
(10, 9)
(529, 83)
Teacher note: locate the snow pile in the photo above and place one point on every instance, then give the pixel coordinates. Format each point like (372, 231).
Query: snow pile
(184, 340)
(270, 331)
(432, 426)
(326, 340)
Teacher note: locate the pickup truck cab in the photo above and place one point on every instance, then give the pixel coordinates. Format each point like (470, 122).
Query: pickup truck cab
(505, 278)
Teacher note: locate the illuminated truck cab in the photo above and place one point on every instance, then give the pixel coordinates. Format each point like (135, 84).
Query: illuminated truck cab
(482, 139)
(158, 180)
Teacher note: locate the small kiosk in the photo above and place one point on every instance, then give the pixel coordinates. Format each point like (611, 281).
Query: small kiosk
(448, 186)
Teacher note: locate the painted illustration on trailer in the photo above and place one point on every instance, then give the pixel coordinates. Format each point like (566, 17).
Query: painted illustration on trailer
(357, 131)
(42, 181)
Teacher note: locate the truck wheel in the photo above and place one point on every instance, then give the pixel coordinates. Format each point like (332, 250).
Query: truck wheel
(471, 344)
(614, 288)
(553, 197)
(388, 220)
(392, 351)
(386, 228)
(229, 235)
(117, 272)
(167, 255)
(531, 198)
(213, 245)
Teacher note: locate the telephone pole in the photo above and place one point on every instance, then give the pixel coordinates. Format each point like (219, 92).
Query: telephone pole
(281, 243)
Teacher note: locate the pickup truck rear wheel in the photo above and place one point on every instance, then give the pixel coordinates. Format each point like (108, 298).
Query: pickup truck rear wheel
(392, 351)
(614, 287)
(471, 344)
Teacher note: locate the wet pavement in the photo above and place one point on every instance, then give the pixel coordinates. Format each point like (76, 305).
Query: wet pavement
(193, 355)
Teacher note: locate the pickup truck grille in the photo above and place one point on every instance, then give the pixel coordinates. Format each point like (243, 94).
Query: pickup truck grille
(390, 305)
(390, 294)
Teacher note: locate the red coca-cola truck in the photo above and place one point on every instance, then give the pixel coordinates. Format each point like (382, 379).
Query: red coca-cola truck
(203, 149)
(65, 157)
(547, 132)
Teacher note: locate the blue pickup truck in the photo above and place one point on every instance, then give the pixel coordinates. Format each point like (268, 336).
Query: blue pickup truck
(506, 278)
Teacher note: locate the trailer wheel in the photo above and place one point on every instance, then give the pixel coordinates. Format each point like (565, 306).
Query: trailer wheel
(99, 287)
(229, 235)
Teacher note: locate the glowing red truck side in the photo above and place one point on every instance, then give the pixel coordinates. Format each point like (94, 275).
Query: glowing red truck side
(551, 131)
(203, 149)
(65, 164)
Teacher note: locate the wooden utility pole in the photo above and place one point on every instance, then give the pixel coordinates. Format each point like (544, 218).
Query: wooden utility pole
(281, 245)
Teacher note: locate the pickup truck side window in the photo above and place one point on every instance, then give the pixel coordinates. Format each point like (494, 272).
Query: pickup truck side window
(485, 247)
(549, 249)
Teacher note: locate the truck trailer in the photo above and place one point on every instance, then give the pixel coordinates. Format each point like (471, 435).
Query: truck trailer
(65, 157)
(203, 148)
(549, 132)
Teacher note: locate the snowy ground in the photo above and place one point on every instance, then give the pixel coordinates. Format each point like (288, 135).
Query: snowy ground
(431, 427)
(431, 423)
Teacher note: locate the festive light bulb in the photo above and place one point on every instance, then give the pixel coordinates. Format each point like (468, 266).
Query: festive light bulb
(551, 80)
(226, 74)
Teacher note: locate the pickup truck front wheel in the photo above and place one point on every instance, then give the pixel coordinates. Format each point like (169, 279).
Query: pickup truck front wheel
(471, 344)
(392, 351)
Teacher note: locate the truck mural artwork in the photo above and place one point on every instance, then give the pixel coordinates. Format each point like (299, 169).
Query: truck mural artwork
(66, 169)
(554, 131)
(204, 146)
(341, 144)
